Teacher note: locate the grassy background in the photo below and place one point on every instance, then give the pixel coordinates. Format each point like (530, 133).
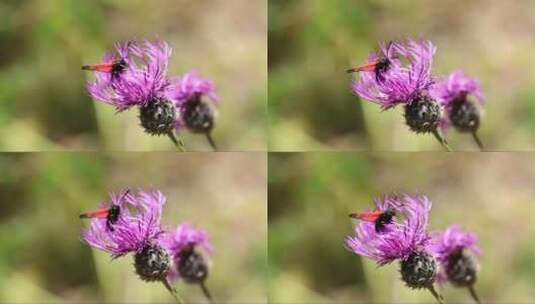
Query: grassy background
(313, 42)
(43, 260)
(310, 197)
(43, 44)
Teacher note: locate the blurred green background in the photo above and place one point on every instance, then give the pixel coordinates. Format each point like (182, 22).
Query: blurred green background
(43, 260)
(310, 197)
(43, 44)
(313, 42)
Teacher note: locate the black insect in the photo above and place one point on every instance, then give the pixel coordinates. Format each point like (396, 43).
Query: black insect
(115, 68)
(380, 218)
(111, 214)
(379, 67)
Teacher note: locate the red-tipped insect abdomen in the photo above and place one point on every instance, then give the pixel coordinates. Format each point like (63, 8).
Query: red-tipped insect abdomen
(380, 218)
(105, 67)
(370, 67)
(103, 213)
(367, 216)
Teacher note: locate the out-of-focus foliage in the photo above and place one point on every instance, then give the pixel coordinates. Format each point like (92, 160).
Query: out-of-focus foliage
(313, 42)
(310, 197)
(43, 260)
(43, 43)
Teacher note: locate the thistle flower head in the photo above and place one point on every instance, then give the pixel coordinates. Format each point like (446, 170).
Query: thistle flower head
(195, 98)
(191, 86)
(456, 87)
(401, 239)
(137, 226)
(458, 253)
(461, 97)
(400, 83)
(137, 77)
(184, 244)
(143, 81)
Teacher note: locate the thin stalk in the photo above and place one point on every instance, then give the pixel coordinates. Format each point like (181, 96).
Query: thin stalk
(435, 294)
(173, 292)
(442, 140)
(179, 144)
(211, 141)
(474, 294)
(477, 140)
(206, 292)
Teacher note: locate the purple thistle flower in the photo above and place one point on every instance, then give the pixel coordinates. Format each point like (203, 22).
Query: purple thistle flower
(138, 84)
(401, 84)
(452, 241)
(185, 239)
(405, 240)
(404, 84)
(189, 264)
(190, 86)
(401, 239)
(136, 230)
(137, 225)
(461, 112)
(457, 86)
(458, 254)
(195, 112)
(137, 77)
